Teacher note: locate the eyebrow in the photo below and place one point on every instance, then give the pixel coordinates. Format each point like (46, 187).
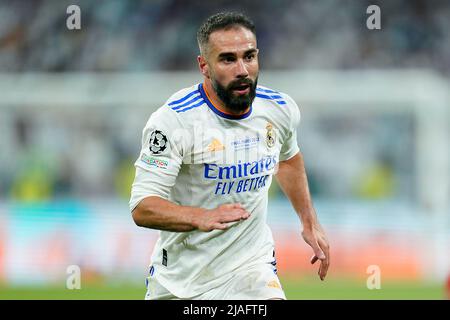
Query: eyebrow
(228, 54)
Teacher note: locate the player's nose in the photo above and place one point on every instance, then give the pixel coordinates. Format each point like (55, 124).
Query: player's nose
(241, 69)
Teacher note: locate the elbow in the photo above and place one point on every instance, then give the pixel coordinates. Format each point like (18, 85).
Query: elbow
(143, 214)
(139, 215)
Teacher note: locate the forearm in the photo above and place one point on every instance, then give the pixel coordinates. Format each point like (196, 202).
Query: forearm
(294, 183)
(158, 213)
(293, 180)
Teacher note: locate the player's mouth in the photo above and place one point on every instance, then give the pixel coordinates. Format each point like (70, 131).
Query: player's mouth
(242, 89)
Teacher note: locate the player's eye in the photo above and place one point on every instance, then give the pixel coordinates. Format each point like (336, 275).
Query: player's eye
(250, 57)
(228, 59)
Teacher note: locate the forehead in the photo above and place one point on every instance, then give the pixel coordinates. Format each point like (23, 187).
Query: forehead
(234, 39)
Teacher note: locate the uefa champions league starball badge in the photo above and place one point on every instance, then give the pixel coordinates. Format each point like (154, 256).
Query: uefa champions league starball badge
(158, 142)
(270, 135)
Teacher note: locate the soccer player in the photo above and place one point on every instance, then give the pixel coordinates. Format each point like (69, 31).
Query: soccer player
(202, 177)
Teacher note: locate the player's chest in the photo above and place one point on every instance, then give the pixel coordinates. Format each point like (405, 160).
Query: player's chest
(235, 143)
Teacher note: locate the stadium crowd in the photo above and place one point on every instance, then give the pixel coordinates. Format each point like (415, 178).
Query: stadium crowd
(44, 157)
(160, 35)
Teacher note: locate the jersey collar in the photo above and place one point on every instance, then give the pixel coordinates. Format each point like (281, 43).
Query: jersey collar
(217, 111)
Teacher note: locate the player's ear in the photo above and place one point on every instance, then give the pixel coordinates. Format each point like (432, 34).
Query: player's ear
(203, 66)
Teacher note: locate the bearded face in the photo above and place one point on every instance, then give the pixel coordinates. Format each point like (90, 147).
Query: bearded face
(238, 95)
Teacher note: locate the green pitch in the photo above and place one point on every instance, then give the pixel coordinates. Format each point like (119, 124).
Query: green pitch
(296, 289)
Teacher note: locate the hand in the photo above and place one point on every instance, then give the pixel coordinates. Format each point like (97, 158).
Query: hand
(220, 217)
(315, 237)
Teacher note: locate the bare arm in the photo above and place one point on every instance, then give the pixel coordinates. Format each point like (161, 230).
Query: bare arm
(292, 179)
(158, 213)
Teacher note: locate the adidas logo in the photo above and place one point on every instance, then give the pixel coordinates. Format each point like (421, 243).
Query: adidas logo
(274, 284)
(215, 145)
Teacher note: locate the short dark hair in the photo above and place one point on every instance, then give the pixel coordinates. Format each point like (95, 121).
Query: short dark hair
(219, 21)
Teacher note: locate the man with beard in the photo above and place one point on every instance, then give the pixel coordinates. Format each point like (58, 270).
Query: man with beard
(203, 174)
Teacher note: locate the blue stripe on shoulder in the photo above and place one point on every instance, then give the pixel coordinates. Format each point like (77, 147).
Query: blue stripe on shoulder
(264, 96)
(266, 90)
(192, 106)
(195, 98)
(184, 98)
(277, 98)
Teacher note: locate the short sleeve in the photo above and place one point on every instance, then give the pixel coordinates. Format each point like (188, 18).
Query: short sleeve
(160, 157)
(289, 146)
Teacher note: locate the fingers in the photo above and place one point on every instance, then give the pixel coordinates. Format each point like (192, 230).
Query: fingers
(222, 217)
(321, 249)
(318, 253)
(325, 263)
(235, 215)
(245, 215)
(234, 212)
(225, 224)
(231, 206)
(219, 226)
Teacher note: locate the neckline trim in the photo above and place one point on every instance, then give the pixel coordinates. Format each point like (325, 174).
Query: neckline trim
(217, 111)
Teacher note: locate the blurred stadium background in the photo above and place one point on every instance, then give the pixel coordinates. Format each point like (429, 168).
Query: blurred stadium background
(374, 133)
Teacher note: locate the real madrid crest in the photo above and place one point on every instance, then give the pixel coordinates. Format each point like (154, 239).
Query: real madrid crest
(270, 135)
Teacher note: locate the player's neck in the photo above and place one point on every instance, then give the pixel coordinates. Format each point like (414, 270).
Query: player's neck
(215, 100)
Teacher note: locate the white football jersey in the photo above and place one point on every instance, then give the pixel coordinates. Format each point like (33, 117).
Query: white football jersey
(195, 155)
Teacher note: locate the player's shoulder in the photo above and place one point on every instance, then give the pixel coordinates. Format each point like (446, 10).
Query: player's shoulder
(178, 106)
(185, 101)
(280, 102)
(273, 96)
